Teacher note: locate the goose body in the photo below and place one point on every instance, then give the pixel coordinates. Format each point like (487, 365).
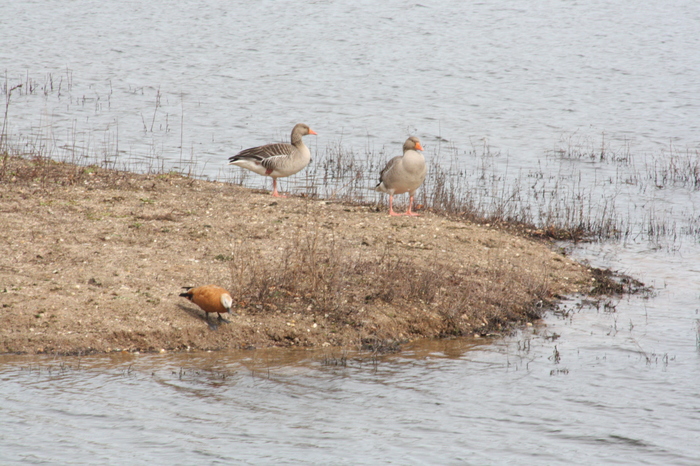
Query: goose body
(210, 298)
(277, 160)
(404, 174)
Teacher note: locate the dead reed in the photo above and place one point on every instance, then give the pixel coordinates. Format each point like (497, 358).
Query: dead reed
(585, 189)
(582, 191)
(558, 199)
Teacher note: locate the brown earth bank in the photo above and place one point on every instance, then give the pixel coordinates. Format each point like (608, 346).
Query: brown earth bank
(94, 261)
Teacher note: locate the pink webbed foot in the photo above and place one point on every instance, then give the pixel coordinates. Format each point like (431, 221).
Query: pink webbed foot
(274, 189)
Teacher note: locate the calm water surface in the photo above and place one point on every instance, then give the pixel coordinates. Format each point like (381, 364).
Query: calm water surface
(600, 401)
(185, 85)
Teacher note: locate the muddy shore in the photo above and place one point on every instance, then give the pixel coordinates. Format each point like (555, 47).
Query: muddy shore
(95, 259)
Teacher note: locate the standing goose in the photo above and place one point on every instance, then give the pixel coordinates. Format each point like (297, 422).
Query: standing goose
(404, 174)
(210, 298)
(277, 160)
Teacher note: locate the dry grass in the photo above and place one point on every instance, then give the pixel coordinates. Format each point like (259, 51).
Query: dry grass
(316, 276)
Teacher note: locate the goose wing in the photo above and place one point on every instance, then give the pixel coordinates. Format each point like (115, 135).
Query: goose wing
(388, 169)
(262, 154)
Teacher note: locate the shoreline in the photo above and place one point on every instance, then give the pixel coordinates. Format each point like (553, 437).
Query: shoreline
(96, 259)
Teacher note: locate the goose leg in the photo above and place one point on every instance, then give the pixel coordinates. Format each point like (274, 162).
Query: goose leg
(410, 206)
(274, 189)
(391, 206)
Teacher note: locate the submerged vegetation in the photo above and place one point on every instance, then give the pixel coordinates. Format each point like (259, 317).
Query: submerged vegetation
(560, 202)
(583, 189)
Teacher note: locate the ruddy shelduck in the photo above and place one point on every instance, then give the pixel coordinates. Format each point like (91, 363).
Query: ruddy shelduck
(277, 160)
(210, 298)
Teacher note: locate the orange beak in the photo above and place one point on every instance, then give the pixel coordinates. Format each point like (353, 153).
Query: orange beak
(312, 131)
(418, 146)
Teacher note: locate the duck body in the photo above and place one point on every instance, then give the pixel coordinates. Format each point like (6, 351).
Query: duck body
(210, 298)
(404, 174)
(277, 160)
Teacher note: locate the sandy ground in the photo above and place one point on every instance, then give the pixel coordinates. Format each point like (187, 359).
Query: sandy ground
(94, 261)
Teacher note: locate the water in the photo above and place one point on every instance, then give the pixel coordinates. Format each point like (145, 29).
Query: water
(185, 86)
(436, 402)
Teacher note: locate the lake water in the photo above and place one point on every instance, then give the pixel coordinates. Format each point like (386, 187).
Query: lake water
(534, 89)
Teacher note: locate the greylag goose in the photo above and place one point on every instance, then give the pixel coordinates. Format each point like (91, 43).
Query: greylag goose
(404, 174)
(277, 160)
(210, 298)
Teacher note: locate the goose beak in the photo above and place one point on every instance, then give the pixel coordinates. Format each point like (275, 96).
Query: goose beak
(312, 132)
(418, 146)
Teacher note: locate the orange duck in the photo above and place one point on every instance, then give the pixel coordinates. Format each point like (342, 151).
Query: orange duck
(210, 298)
